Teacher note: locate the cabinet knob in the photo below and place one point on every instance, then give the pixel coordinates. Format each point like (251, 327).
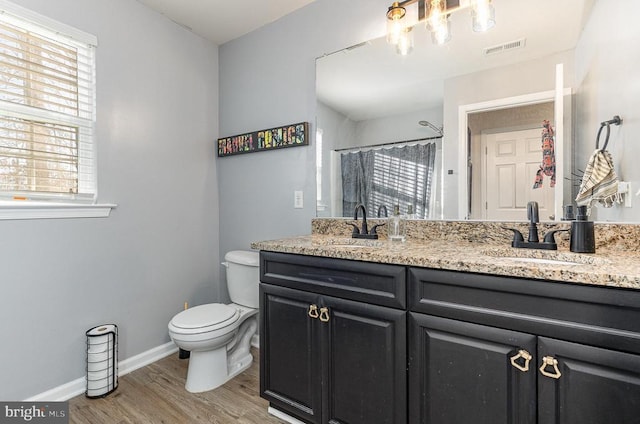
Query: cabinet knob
(313, 311)
(324, 314)
(550, 361)
(525, 357)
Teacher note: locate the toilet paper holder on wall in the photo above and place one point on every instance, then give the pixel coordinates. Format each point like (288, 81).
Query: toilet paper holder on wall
(102, 360)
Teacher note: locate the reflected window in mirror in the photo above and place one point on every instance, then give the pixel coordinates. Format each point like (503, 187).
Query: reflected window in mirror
(387, 176)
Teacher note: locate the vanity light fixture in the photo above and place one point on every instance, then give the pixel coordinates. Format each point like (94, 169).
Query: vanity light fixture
(395, 23)
(435, 14)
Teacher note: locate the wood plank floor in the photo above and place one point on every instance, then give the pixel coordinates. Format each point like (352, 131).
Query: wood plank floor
(155, 394)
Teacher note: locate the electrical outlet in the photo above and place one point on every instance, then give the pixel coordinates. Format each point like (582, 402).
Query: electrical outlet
(628, 197)
(298, 199)
(624, 188)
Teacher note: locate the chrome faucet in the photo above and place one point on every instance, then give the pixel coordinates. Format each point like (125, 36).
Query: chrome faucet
(533, 242)
(364, 232)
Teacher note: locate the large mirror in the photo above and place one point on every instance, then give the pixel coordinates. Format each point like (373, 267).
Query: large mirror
(476, 100)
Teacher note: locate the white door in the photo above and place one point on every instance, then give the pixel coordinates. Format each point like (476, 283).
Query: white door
(510, 166)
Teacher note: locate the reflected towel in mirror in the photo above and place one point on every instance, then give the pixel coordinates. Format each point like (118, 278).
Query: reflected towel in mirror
(599, 182)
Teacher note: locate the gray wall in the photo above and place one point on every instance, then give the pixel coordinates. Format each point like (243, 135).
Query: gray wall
(267, 79)
(157, 121)
(607, 64)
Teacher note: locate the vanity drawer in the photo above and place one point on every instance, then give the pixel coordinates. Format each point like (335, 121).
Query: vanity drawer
(601, 316)
(378, 284)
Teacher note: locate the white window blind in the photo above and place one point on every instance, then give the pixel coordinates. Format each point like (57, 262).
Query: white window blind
(47, 108)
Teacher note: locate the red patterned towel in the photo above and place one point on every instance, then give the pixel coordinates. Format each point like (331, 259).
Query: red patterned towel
(548, 166)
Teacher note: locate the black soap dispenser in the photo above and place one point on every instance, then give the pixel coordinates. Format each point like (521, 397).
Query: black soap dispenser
(583, 239)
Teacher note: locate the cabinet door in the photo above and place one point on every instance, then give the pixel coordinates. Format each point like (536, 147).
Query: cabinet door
(365, 363)
(290, 363)
(463, 373)
(587, 385)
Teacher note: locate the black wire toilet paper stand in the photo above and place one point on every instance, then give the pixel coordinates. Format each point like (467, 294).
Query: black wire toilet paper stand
(102, 360)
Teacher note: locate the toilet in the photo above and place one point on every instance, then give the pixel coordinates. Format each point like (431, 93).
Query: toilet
(217, 335)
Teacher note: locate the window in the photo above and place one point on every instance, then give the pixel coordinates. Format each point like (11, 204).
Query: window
(47, 109)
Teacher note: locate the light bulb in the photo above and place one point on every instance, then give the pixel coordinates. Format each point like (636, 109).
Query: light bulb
(395, 23)
(483, 15)
(405, 42)
(442, 33)
(437, 14)
(438, 22)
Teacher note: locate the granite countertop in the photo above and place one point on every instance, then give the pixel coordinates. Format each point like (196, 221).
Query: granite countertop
(608, 267)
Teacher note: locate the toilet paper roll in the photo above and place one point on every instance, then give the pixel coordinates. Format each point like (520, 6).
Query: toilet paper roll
(101, 338)
(101, 330)
(97, 392)
(98, 346)
(102, 375)
(100, 357)
(99, 365)
(98, 385)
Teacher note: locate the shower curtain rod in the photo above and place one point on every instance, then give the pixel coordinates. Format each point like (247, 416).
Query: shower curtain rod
(387, 144)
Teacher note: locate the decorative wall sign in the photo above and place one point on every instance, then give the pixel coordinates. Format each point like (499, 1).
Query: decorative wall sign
(257, 141)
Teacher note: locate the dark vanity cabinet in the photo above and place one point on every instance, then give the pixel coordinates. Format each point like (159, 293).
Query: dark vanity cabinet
(590, 386)
(487, 350)
(349, 342)
(461, 373)
(333, 339)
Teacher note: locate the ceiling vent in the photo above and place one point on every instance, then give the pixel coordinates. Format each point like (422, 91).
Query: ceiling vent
(510, 45)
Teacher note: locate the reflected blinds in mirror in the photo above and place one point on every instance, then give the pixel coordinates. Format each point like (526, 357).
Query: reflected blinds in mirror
(387, 176)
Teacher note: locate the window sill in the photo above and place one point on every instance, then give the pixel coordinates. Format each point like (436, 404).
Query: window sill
(49, 210)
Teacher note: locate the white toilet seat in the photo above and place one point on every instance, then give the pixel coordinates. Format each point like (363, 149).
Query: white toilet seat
(204, 319)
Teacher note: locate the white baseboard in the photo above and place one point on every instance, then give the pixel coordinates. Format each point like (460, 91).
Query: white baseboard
(279, 414)
(145, 358)
(78, 386)
(61, 393)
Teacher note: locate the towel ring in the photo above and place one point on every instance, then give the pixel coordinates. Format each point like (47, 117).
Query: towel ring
(606, 140)
(615, 121)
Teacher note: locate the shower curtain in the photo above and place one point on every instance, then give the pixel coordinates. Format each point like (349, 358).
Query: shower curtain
(387, 176)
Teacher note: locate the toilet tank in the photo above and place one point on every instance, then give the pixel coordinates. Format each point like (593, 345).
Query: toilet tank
(243, 277)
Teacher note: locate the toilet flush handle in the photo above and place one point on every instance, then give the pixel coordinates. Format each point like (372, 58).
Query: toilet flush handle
(225, 264)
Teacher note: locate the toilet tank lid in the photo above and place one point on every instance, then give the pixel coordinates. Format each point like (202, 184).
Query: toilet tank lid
(243, 257)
